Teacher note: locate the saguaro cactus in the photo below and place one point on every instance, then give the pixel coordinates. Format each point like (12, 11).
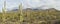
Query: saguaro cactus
(21, 13)
(4, 11)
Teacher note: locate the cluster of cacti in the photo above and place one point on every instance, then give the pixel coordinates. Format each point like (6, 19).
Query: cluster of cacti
(4, 14)
(29, 16)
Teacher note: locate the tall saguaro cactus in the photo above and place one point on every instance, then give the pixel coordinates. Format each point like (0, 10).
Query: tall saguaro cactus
(4, 11)
(21, 13)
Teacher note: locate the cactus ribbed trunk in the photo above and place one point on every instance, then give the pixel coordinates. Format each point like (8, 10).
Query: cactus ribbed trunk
(21, 13)
(4, 11)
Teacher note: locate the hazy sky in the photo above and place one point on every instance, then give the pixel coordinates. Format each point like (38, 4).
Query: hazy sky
(31, 3)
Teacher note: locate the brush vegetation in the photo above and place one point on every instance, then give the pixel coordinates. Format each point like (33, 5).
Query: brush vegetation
(49, 16)
(29, 16)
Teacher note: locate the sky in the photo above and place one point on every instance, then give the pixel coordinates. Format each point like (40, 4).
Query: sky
(10, 4)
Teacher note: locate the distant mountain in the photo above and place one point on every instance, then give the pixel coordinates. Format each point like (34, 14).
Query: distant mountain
(15, 9)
